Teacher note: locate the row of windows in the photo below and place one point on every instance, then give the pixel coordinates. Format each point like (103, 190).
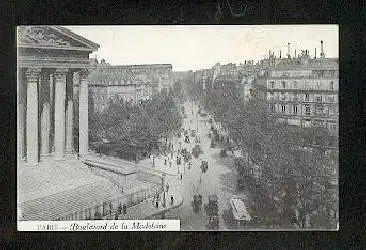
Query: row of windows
(285, 96)
(295, 85)
(319, 110)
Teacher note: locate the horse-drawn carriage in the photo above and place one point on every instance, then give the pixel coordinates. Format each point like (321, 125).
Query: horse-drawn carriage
(186, 139)
(197, 150)
(204, 166)
(197, 202)
(187, 156)
(212, 211)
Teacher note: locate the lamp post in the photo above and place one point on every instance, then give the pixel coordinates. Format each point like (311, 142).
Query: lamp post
(197, 120)
(163, 188)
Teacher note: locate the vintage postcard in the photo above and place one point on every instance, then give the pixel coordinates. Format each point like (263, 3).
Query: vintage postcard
(151, 128)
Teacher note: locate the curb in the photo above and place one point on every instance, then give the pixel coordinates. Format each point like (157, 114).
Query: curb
(166, 209)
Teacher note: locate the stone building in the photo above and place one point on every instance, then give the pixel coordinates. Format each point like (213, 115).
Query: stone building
(52, 108)
(304, 90)
(129, 82)
(53, 68)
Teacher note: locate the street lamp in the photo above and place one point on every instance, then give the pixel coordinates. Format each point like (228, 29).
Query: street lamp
(197, 120)
(163, 188)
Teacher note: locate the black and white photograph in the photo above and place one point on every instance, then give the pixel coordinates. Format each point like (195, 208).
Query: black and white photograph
(220, 127)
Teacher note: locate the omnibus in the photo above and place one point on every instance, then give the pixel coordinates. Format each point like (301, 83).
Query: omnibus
(239, 212)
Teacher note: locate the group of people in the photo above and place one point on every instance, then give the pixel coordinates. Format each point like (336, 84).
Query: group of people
(157, 198)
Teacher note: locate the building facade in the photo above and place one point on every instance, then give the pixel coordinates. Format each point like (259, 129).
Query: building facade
(53, 67)
(304, 91)
(130, 82)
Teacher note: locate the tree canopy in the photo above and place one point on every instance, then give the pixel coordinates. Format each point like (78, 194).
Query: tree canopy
(295, 164)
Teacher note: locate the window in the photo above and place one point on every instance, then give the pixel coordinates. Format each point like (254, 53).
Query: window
(283, 84)
(273, 108)
(331, 98)
(295, 85)
(333, 127)
(283, 108)
(307, 110)
(272, 84)
(306, 97)
(283, 97)
(331, 85)
(319, 98)
(295, 109)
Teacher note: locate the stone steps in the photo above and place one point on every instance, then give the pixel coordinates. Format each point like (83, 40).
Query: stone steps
(60, 204)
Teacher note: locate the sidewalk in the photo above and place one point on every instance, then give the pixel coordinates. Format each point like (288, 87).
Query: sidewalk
(147, 209)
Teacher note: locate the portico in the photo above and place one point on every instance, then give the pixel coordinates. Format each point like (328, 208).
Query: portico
(52, 89)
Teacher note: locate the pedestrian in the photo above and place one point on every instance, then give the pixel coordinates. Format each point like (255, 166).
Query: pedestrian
(171, 200)
(119, 209)
(165, 161)
(181, 176)
(157, 204)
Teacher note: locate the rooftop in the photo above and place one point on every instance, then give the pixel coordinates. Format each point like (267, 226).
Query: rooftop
(308, 64)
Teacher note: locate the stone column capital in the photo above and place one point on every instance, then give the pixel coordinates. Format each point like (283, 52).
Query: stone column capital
(84, 73)
(60, 74)
(33, 74)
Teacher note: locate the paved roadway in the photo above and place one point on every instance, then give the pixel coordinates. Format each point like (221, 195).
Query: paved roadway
(219, 179)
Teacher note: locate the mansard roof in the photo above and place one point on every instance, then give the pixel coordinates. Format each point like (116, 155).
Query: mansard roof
(312, 64)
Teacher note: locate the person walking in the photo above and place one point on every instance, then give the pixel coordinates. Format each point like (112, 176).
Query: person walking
(171, 200)
(165, 161)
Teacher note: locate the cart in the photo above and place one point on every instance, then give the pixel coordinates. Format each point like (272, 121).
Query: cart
(186, 140)
(197, 202)
(223, 152)
(196, 151)
(212, 211)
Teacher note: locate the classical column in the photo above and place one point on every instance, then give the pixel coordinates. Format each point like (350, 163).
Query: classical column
(60, 95)
(83, 114)
(52, 114)
(32, 115)
(69, 126)
(69, 112)
(20, 132)
(45, 128)
(20, 111)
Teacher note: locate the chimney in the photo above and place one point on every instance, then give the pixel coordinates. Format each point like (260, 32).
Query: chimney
(315, 54)
(295, 53)
(269, 53)
(322, 55)
(289, 51)
(280, 54)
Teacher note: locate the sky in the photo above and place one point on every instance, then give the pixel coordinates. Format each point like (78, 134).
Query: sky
(192, 47)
